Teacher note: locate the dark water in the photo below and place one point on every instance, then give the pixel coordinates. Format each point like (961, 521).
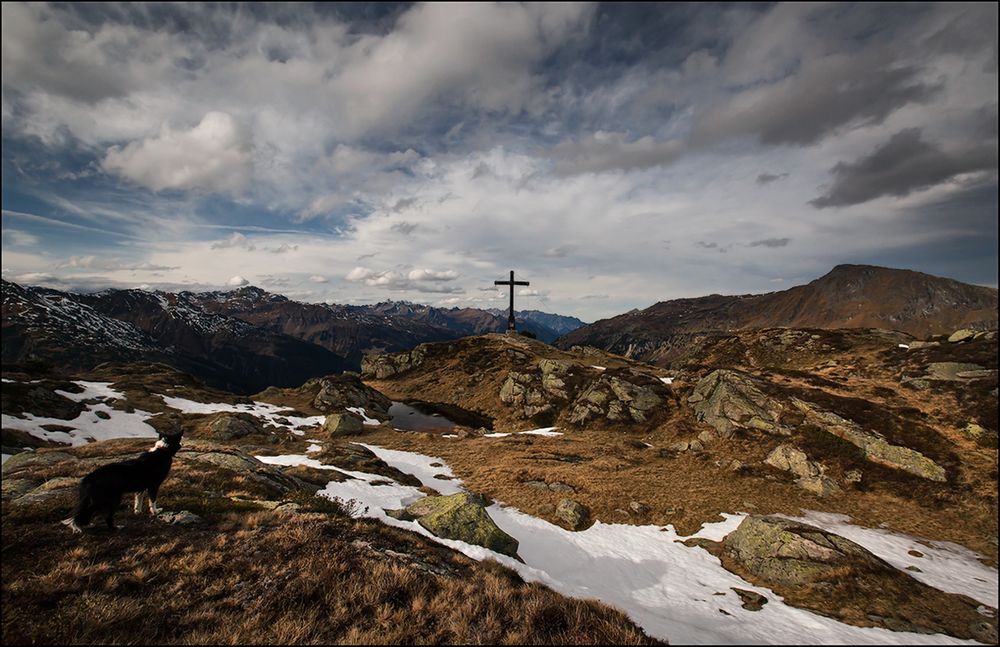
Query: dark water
(406, 418)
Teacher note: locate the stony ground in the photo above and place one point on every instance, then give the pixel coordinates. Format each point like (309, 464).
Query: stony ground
(761, 422)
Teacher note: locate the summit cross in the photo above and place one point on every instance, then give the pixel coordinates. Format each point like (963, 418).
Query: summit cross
(510, 318)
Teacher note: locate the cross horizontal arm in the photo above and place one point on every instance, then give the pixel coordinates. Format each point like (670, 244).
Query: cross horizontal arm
(521, 283)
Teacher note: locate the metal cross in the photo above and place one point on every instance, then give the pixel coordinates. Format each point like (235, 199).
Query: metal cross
(510, 319)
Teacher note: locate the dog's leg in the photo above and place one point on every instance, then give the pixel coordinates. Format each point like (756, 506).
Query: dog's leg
(71, 524)
(139, 500)
(153, 508)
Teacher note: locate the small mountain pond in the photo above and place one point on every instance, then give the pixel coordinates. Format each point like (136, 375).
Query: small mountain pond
(415, 415)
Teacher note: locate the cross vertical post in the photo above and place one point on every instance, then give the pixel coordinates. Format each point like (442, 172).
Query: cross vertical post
(511, 326)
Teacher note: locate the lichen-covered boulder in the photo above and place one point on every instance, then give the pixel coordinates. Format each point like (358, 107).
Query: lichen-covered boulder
(790, 553)
(338, 392)
(343, 424)
(790, 459)
(232, 426)
(730, 400)
(387, 365)
(819, 570)
(462, 517)
(575, 515)
(961, 335)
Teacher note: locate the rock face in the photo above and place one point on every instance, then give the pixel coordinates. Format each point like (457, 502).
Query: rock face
(730, 400)
(792, 554)
(811, 477)
(616, 399)
(462, 517)
(587, 393)
(232, 426)
(386, 365)
(816, 569)
(343, 424)
(338, 392)
(874, 447)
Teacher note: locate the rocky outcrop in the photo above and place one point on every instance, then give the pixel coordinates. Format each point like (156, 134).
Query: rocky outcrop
(730, 400)
(874, 447)
(343, 424)
(617, 400)
(382, 366)
(462, 517)
(816, 569)
(338, 392)
(585, 393)
(40, 399)
(811, 474)
(232, 427)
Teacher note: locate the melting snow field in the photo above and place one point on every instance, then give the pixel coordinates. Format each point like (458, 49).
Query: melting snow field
(89, 425)
(266, 412)
(674, 592)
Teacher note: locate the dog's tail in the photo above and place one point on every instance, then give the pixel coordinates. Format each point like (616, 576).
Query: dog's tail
(83, 511)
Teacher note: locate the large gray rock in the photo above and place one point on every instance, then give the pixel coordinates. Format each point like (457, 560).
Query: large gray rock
(789, 553)
(790, 459)
(956, 371)
(730, 400)
(387, 365)
(575, 515)
(338, 392)
(343, 424)
(819, 570)
(462, 517)
(232, 426)
(961, 335)
(618, 399)
(873, 446)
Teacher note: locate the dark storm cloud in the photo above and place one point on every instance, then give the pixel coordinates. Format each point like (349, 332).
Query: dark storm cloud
(767, 178)
(824, 96)
(904, 164)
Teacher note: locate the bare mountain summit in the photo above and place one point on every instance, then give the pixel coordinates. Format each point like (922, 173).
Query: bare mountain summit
(849, 296)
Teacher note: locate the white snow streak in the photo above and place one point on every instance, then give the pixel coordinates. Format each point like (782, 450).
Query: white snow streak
(667, 588)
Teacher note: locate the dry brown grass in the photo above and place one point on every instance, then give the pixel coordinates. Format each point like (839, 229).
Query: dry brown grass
(245, 575)
(269, 578)
(690, 489)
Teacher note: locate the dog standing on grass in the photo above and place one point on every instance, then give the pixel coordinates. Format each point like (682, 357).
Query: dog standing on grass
(101, 491)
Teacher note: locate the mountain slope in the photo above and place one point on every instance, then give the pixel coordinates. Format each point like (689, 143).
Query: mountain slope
(849, 296)
(243, 340)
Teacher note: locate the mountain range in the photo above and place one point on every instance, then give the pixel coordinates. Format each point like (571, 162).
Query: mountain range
(243, 340)
(248, 339)
(849, 296)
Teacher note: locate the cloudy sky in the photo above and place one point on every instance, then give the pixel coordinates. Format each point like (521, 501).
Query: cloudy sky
(613, 155)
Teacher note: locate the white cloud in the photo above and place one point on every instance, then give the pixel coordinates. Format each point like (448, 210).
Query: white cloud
(19, 238)
(432, 275)
(237, 240)
(216, 155)
(316, 278)
(237, 281)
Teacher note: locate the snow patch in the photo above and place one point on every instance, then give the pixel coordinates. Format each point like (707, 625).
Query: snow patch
(667, 380)
(364, 416)
(498, 434)
(544, 431)
(265, 411)
(666, 587)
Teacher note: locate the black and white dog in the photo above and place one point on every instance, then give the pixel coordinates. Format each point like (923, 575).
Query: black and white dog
(101, 491)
